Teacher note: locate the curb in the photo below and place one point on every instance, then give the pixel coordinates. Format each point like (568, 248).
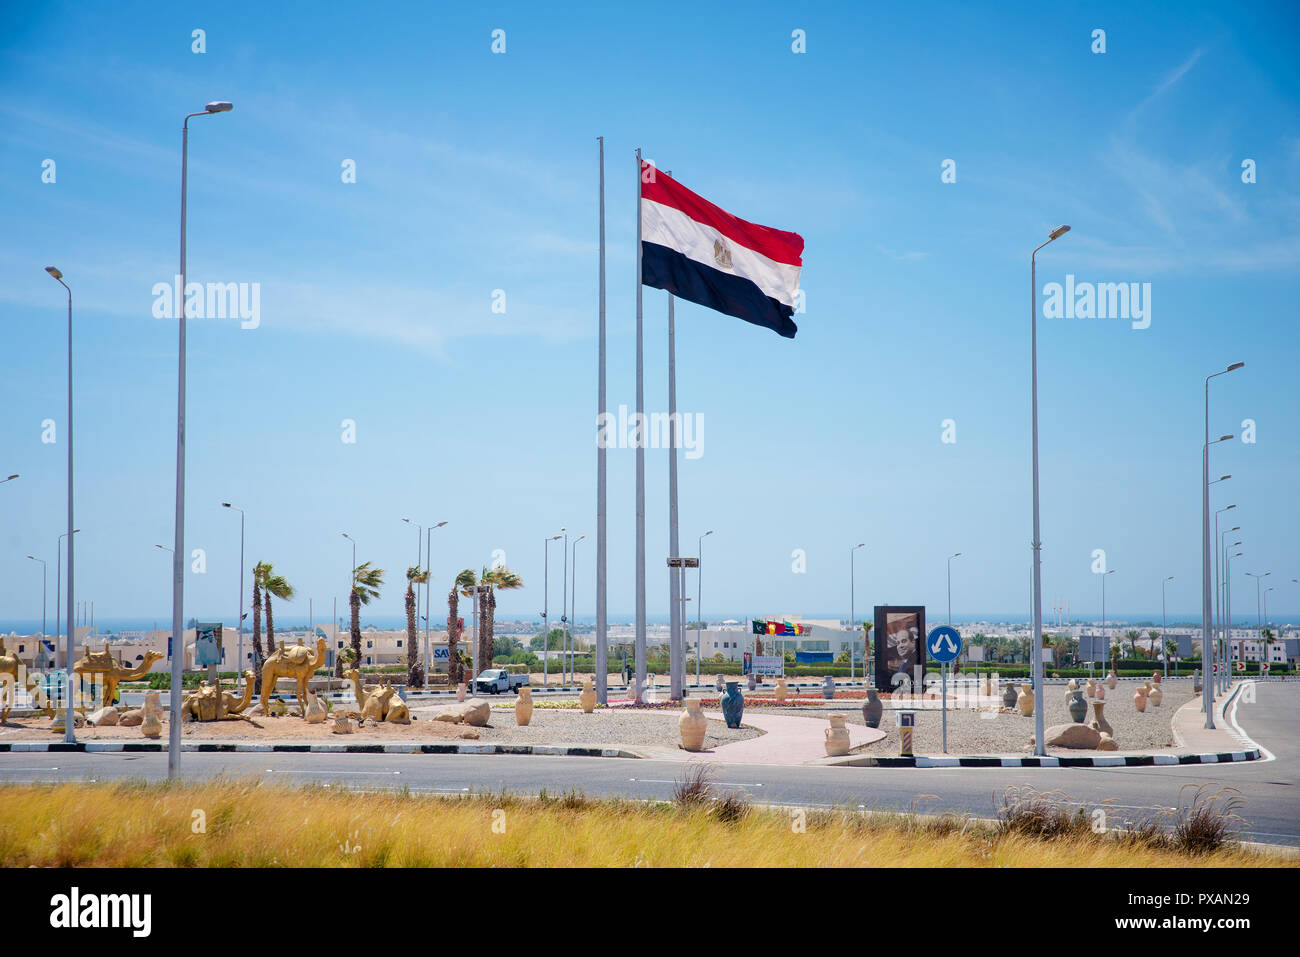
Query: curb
(101, 747)
(1100, 761)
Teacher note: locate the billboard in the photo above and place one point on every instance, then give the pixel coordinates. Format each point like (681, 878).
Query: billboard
(769, 664)
(207, 643)
(1094, 648)
(900, 661)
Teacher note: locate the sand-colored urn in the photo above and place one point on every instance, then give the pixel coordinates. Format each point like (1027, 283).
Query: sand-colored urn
(1099, 721)
(460, 691)
(1025, 700)
(782, 692)
(1156, 677)
(151, 726)
(1101, 691)
(1155, 696)
(1112, 680)
(524, 706)
(692, 724)
(837, 737)
(587, 696)
(1091, 688)
(1140, 700)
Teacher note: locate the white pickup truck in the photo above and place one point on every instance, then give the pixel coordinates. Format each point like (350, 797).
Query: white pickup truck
(496, 680)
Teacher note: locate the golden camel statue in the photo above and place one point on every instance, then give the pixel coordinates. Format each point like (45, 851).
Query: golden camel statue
(103, 663)
(296, 663)
(10, 665)
(380, 702)
(212, 703)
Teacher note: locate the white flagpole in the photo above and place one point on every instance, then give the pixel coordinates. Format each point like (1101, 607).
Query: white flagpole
(640, 457)
(602, 419)
(674, 575)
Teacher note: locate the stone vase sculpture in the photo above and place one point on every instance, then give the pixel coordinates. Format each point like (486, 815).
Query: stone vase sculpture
(315, 709)
(1077, 707)
(1091, 688)
(1009, 695)
(1072, 686)
(587, 697)
(1140, 700)
(524, 706)
(151, 726)
(1196, 681)
(1156, 676)
(733, 704)
(987, 690)
(1101, 691)
(753, 681)
(837, 737)
(1155, 696)
(828, 688)
(691, 725)
(1099, 721)
(719, 682)
(782, 692)
(1025, 700)
(1112, 680)
(872, 709)
(460, 691)
(342, 724)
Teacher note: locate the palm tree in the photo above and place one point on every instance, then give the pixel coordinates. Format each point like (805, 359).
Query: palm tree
(414, 576)
(1133, 636)
(493, 578)
(365, 589)
(273, 585)
(258, 655)
(464, 581)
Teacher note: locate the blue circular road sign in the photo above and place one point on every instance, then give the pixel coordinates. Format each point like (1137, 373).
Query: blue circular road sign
(944, 644)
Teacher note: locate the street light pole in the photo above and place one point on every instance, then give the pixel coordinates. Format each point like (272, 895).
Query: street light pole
(573, 599)
(1218, 619)
(1207, 651)
(428, 587)
(1259, 615)
(239, 669)
(1104, 636)
(546, 607)
(1164, 648)
(853, 608)
(178, 554)
(1036, 544)
(44, 578)
(699, 591)
(68, 735)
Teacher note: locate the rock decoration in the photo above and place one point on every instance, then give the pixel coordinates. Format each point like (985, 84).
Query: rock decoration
(1076, 736)
(837, 737)
(1072, 686)
(692, 725)
(151, 726)
(524, 706)
(105, 717)
(473, 712)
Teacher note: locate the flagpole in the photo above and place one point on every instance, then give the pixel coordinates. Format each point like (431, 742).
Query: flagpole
(676, 611)
(602, 651)
(640, 458)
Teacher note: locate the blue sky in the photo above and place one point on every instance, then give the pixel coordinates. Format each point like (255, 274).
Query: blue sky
(476, 172)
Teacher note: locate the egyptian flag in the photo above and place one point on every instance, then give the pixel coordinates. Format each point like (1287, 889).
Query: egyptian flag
(699, 252)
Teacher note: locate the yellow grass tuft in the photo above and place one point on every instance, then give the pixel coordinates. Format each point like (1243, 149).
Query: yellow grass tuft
(231, 823)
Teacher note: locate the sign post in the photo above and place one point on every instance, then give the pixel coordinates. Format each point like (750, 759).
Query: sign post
(944, 645)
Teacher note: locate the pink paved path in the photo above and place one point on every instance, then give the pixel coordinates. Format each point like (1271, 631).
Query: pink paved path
(789, 739)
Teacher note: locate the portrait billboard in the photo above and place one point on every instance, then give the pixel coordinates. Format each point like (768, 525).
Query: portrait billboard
(900, 648)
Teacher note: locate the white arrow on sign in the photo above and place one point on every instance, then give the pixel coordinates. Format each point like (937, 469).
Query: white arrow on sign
(947, 639)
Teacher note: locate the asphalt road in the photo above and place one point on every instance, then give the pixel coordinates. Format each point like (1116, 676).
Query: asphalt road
(1270, 788)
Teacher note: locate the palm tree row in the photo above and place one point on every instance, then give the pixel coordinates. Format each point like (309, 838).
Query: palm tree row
(267, 583)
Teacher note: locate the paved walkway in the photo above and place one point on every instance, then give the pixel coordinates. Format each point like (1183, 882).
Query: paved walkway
(1191, 734)
(787, 739)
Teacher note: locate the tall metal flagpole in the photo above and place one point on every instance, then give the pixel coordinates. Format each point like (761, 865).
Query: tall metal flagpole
(640, 457)
(675, 619)
(602, 419)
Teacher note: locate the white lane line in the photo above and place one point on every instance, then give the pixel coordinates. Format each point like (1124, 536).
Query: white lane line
(1266, 754)
(323, 773)
(29, 769)
(729, 784)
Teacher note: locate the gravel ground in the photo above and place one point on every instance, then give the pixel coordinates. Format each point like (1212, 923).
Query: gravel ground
(971, 733)
(601, 728)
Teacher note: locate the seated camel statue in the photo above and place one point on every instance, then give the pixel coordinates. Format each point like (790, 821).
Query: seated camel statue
(212, 703)
(379, 702)
(294, 662)
(12, 670)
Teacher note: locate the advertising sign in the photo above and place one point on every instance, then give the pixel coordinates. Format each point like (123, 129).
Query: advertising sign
(207, 643)
(769, 664)
(900, 663)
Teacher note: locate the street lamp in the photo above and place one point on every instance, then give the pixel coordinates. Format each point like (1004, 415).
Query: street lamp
(853, 596)
(1218, 538)
(1259, 615)
(699, 589)
(44, 578)
(1164, 648)
(9, 479)
(239, 670)
(564, 618)
(68, 735)
(428, 552)
(1109, 571)
(1036, 544)
(1208, 697)
(950, 558)
(546, 607)
(178, 553)
(58, 587)
(573, 601)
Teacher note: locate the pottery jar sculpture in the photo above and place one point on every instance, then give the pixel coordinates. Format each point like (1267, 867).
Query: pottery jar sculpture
(692, 724)
(1155, 676)
(587, 697)
(1025, 700)
(782, 692)
(1091, 688)
(151, 727)
(1101, 691)
(1155, 696)
(1009, 695)
(1140, 700)
(1072, 686)
(733, 704)
(1099, 721)
(719, 682)
(1077, 707)
(837, 737)
(988, 687)
(1112, 680)
(828, 688)
(460, 691)
(872, 709)
(524, 706)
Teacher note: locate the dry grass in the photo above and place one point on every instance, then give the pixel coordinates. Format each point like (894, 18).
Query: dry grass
(251, 825)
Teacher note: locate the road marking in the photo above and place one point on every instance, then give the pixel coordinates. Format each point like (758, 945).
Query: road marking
(728, 784)
(321, 773)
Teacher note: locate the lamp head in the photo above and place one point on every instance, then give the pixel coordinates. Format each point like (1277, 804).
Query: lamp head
(219, 106)
(1058, 232)
(54, 271)
(1234, 366)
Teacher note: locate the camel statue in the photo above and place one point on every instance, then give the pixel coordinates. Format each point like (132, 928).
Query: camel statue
(112, 671)
(10, 669)
(296, 663)
(211, 703)
(380, 702)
